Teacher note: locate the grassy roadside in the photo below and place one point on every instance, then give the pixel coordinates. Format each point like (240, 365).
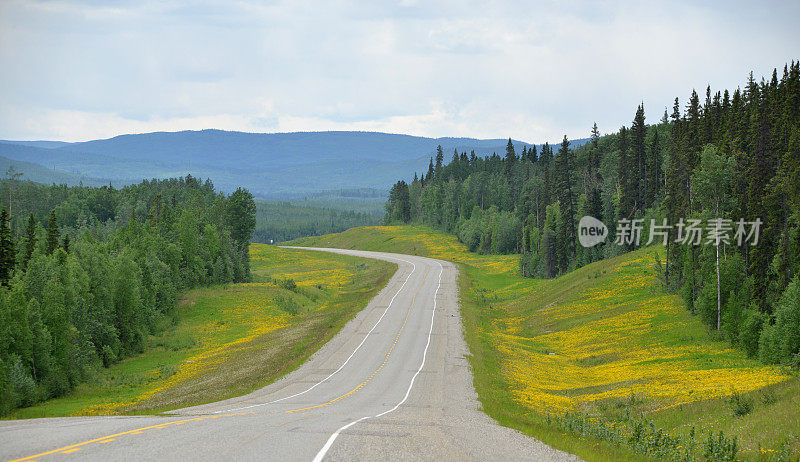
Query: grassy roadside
(233, 339)
(601, 362)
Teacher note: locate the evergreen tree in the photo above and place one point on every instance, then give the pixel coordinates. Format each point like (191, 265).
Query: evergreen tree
(596, 154)
(545, 161)
(510, 159)
(439, 160)
(7, 251)
(595, 135)
(654, 165)
(30, 240)
(626, 174)
(564, 166)
(53, 233)
(638, 159)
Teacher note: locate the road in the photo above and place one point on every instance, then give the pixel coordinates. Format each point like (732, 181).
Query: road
(393, 384)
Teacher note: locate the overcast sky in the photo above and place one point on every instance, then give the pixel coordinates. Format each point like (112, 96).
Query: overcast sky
(79, 70)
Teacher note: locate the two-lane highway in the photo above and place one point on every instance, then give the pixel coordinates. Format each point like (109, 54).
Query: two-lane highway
(394, 383)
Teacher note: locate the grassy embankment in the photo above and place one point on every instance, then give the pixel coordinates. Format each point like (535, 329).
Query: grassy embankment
(233, 339)
(587, 362)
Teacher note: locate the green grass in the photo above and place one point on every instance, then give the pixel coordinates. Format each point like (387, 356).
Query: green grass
(233, 339)
(586, 362)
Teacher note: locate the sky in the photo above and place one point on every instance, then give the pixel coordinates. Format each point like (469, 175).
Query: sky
(534, 71)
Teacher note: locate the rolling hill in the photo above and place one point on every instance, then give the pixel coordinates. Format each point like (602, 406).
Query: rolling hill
(269, 164)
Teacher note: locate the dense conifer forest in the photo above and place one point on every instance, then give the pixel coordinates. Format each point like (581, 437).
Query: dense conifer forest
(726, 164)
(88, 273)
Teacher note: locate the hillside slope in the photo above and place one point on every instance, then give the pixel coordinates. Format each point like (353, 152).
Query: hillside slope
(41, 174)
(600, 352)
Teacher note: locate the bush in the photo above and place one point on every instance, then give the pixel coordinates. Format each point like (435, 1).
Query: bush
(22, 384)
(750, 332)
(288, 284)
(769, 345)
(787, 321)
(768, 397)
(721, 448)
(740, 405)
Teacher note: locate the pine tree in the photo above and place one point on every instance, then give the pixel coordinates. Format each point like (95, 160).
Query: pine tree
(53, 233)
(65, 243)
(7, 251)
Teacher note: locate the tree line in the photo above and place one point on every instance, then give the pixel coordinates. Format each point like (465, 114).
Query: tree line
(733, 156)
(279, 221)
(94, 271)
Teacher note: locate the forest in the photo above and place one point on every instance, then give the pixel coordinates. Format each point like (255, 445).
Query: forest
(731, 159)
(280, 221)
(87, 273)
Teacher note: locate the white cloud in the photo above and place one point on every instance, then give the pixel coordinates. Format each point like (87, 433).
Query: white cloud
(76, 70)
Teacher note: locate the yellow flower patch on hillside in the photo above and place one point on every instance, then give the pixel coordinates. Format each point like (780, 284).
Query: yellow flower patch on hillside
(622, 337)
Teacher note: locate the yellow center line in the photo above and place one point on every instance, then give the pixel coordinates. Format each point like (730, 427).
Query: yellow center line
(385, 360)
(107, 438)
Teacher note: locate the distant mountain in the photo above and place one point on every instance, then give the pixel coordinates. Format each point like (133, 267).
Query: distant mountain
(38, 144)
(35, 172)
(269, 164)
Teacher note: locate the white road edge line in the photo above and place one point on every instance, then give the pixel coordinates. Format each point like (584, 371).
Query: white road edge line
(414, 268)
(321, 454)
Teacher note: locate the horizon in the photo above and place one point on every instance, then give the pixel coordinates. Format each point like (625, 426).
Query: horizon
(287, 133)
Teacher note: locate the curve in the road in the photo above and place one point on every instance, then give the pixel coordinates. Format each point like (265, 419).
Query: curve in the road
(321, 454)
(401, 363)
(414, 267)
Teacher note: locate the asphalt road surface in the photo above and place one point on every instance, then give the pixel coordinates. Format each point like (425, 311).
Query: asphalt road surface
(393, 384)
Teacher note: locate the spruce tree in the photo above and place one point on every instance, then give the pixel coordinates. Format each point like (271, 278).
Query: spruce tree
(625, 177)
(510, 159)
(30, 240)
(7, 252)
(547, 156)
(654, 176)
(53, 233)
(564, 166)
(439, 160)
(595, 135)
(638, 158)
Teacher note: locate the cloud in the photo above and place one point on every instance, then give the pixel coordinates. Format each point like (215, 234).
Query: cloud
(73, 69)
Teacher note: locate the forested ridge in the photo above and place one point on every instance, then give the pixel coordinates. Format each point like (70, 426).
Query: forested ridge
(88, 273)
(732, 157)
